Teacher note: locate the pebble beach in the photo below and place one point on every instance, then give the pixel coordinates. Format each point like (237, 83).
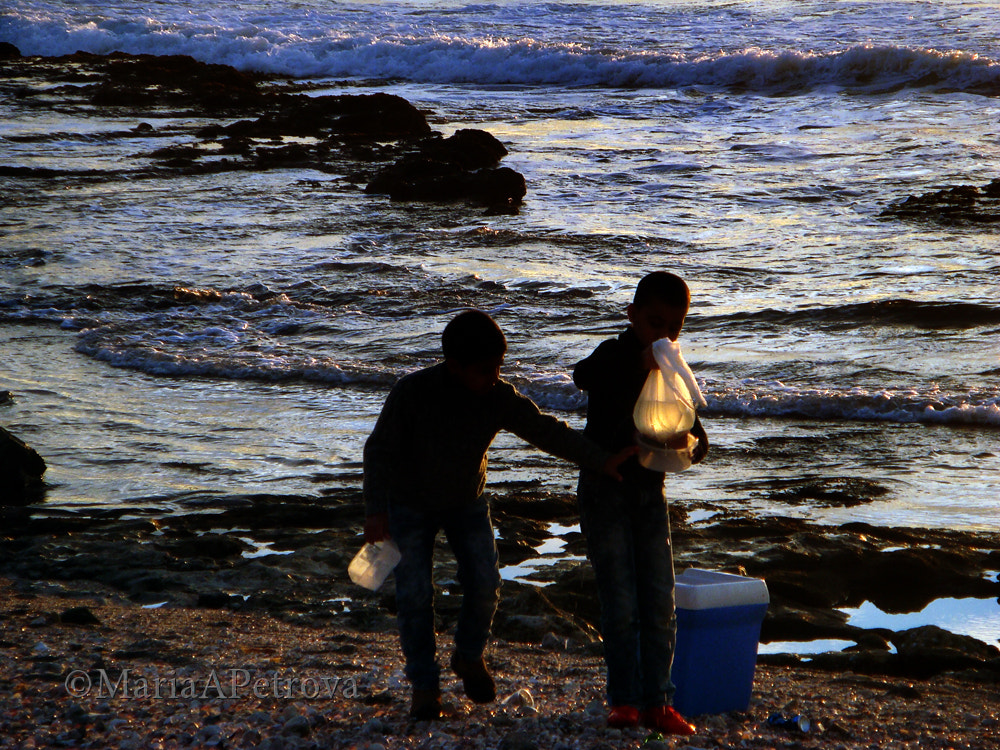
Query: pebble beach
(134, 678)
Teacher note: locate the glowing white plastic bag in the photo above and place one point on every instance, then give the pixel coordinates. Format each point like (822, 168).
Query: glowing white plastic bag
(670, 397)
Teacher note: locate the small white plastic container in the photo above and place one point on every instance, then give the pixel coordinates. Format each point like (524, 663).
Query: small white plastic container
(373, 564)
(660, 458)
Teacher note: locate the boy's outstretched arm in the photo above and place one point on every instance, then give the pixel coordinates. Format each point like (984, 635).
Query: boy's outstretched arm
(701, 449)
(521, 416)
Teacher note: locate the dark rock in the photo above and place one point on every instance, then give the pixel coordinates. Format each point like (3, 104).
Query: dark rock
(217, 600)
(512, 552)
(458, 168)
(130, 80)
(498, 187)
(574, 592)
(529, 616)
(297, 725)
(421, 179)
(829, 492)
(921, 653)
(930, 640)
(21, 470)
(380, 140)
(815, 588)
(8, 51)
(469, 148)
(519, 740)
(552, 642)
(789, 621)
(859, 662)
(954, 205)
(14, 518)
(212, 546)
(531, 501)
(356, 116)
(907, 580)
(78, 616)
(143, 648)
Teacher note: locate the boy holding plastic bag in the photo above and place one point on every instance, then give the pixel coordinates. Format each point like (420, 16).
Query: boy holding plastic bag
(640, 393)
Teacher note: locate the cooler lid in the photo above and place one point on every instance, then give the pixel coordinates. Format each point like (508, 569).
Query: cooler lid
(697, 588)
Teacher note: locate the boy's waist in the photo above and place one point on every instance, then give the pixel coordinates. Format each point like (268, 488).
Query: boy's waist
(436, 489)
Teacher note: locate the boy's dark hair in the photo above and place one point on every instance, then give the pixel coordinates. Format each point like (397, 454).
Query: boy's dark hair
(473, 336)
(663, 286)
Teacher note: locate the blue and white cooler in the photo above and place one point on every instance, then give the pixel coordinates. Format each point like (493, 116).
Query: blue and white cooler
(718, 629)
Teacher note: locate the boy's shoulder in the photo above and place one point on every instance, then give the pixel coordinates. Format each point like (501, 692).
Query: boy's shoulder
(624, 342)
(425, 377)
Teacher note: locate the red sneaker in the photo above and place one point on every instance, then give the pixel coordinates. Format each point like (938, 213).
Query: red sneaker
(667, 720)
(621, 717)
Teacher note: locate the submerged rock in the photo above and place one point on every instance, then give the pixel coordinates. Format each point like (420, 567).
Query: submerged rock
(957, 204)
(21, 470)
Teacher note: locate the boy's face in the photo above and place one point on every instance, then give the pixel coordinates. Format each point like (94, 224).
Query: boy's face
(655, 320)
(480, 376)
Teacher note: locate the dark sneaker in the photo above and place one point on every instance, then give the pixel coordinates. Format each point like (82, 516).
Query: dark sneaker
(426, 705)
(476, 679)
(667, 720)
(621, 717)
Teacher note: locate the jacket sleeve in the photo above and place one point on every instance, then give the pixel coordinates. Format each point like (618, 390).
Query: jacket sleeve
(382, 451)
(596, 370)
(552, 435)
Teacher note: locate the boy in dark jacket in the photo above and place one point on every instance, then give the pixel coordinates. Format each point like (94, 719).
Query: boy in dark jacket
(626, 522)
(425, 470)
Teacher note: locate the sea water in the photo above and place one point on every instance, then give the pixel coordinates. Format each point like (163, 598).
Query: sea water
(750, 147)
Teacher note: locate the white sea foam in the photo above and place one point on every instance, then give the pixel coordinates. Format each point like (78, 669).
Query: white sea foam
(238, 352)
(930, 407)
(332, 47)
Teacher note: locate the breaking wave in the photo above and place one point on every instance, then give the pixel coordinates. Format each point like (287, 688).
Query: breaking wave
(326, 48)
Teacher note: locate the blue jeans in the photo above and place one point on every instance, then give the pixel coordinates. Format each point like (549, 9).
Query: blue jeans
(628, 543)
(469, 532)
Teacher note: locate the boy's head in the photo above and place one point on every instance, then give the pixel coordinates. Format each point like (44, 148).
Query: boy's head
(474, 348)
(659, 307)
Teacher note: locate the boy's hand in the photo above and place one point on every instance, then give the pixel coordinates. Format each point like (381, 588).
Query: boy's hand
(699, 451)
(701, 448)
(377, 528)
(611, 465)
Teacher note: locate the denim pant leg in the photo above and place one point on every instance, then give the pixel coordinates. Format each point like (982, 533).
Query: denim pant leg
(604, 520)
(470, 533)
(655, 592)
(414, 532)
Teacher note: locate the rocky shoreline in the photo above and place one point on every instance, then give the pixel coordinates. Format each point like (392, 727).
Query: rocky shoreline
(288, 557)
(237, 626)
(220, 119)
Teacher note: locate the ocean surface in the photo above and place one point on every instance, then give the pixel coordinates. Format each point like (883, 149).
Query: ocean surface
(749, 146)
